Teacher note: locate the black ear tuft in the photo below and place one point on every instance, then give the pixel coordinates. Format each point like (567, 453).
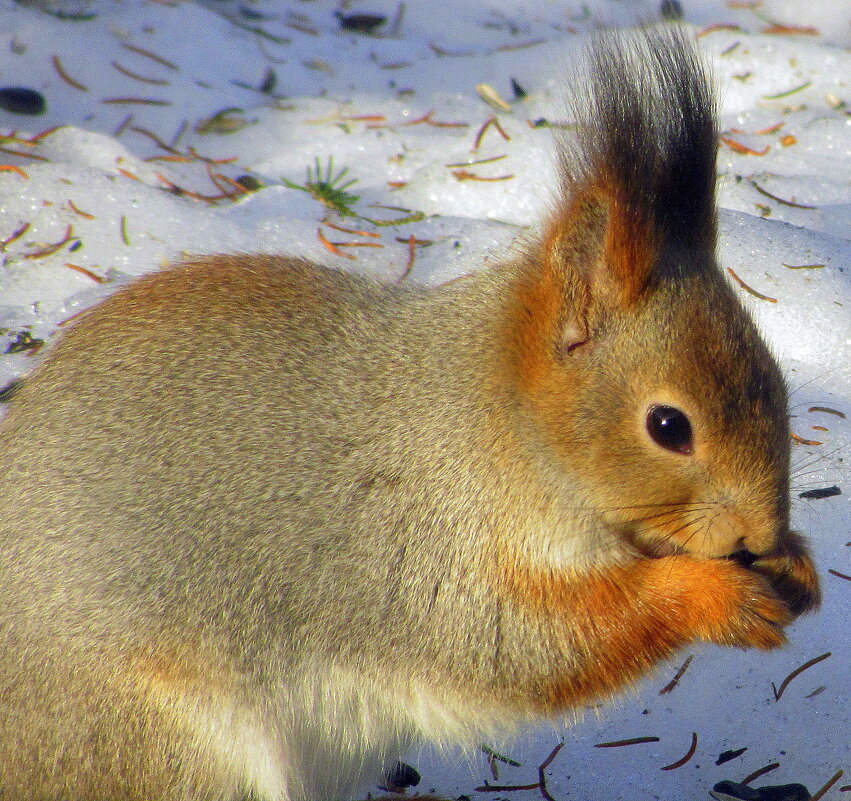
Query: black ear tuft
(648, 134)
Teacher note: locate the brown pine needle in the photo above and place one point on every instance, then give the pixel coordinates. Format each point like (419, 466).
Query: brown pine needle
(715, 28)
(778, 691)
(477, 161)
(148, 54)
(362, 118)
(88, 273)
(76, 210)
(124, 125)
(412, 255)
(156, 140)
(238, 189)
(819, 794)
(426, 119)
(505, 788)
(57, 65)
(752, 777)
(137, 77)
(128, 174)
(336, 227)
(770, 129)
(13, 168)
(196, 155)
(738, 147)
(490, 122)
(630, 741)
(173, 159)
(542, 778)
(768, 194)
(330, 246)
(686, 757)
(782, 30)
(466, 175)
(519, 46)
(34, 140)
(827, 410)
(32, 156)
(802, 441)
(16, 234)
(227, 186)
(749, 289)
(181, 192)
(49, 250)
(138, 101)
(677, 676)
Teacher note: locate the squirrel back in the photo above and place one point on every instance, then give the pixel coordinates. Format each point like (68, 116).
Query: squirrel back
(272, 522)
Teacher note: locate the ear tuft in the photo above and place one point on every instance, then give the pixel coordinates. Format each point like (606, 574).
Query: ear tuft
(638, 193)
(645, 152)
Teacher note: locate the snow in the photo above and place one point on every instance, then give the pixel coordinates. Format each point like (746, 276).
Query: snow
(356, 99)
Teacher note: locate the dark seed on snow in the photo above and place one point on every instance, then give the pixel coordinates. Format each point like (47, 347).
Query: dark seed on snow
(20, 100)
(403, 776)
(362, 23)
(732, 791)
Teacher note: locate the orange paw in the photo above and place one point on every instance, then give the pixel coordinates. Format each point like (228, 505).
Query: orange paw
(756, 616)
(729, 604)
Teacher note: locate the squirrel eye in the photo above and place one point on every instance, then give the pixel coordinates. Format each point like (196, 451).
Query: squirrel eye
(669, 428)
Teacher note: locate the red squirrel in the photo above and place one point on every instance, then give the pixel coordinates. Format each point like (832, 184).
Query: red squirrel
(270, 523)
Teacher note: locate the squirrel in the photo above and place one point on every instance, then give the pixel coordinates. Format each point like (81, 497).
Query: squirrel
(267, 523)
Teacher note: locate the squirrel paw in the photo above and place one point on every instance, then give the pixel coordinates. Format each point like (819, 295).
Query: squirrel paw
(739, 607)
(760, 618)
(792, 575)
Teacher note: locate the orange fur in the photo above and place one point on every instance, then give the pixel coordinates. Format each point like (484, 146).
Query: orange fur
(623, 619)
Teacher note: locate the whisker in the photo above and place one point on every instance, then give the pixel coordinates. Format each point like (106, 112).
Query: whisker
(815, 458)
(672, 504)
(814, 378)
(672, 513)
(683, 527)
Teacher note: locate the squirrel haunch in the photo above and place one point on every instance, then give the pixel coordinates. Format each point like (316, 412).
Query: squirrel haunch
(271, 523)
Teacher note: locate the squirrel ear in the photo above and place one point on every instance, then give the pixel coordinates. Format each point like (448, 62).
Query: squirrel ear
(597, 254)
(603, 241)
(593, 261)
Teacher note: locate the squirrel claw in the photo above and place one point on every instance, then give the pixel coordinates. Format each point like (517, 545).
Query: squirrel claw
(760, 622)
(792, 575)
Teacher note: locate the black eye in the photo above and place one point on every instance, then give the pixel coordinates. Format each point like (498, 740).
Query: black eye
(669, 428)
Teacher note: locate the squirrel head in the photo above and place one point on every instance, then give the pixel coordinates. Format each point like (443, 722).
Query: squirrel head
(650, 391)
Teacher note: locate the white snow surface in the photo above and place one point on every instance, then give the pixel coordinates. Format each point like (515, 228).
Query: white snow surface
(356, 98)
